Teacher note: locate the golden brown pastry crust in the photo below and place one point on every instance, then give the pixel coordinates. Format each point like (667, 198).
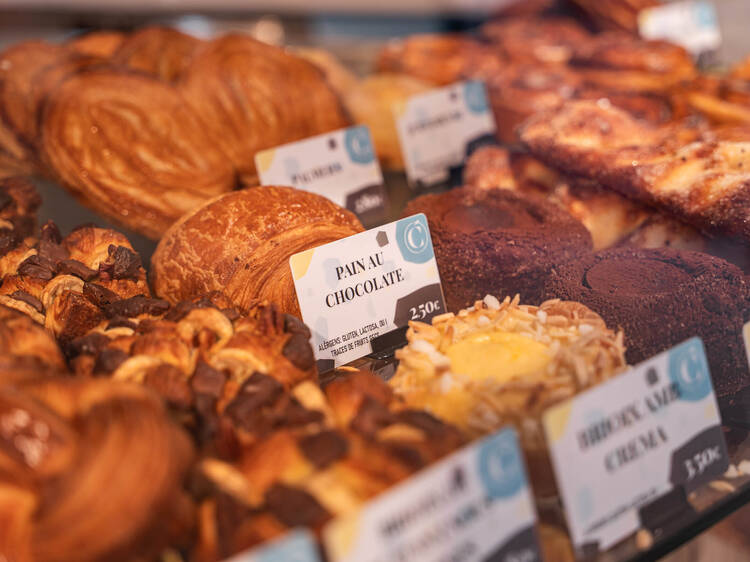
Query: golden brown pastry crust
(439, 59)
(18, 65)
(252, 96)
(104, 449)
(161, 52)
(240, 244)
(540, 40)
(97, 43)
(723, 101)
(695, 175)
(128, 146)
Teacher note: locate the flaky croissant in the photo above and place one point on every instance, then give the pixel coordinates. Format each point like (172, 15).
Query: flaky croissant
(97, 43)
(89, 470)
(240, 244)
(127, 145)
(253, 96)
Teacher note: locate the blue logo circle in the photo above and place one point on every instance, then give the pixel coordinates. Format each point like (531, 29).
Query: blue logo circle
(500, 468)
(413, 239)
(689, 370)
(475, 96)
(358, 145)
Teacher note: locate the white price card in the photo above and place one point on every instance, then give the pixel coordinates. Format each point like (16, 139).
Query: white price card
(472, 506)
(298, 545)
(366, 285)
(629, 441)
(692, 24)
(340, 165)
(439, 128)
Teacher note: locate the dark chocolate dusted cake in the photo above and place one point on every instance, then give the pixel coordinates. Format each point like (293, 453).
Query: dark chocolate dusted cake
(663, 297)
(497, 242)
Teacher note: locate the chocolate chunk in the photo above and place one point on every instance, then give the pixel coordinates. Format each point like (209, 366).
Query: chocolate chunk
(50, 233)
(295, 507)
(38, 267)
(108, 361)
(207, 380)
(171, 384)
(421, 420)
(179, 311)
(295, 414)
(294, 325)
(231, 313)
(24, 225)
(299, 352)
(323, 448)
(5, 200)
(89, 344)
(121, 322)
(77, 268)
(28, 299)
(135, 306)
(410, 456)
(100, 296)
(9, 240)
(124, 264)
(257, 391)
(371, 417)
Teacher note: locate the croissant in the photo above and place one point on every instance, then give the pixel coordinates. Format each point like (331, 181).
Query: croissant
(697, 176)
(97, 43)
(63, 283)
(253, 96)
(91, 470)
(162, 52)
(19, 203)
(15, 158)
(240, 244)
(344, 446)
(723, 101)
(127, 146)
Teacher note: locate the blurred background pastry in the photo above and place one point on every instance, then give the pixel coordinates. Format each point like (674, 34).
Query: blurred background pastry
(241, 243)
(497, 242)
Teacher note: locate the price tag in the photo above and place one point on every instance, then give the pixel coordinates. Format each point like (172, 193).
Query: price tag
(472, 506)
(366, 285)
(298, 545)
(693, 25)
(340, 165)
(622, 445)
(438, 129)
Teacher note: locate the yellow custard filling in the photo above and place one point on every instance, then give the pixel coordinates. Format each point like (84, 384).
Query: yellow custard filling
(500, 356)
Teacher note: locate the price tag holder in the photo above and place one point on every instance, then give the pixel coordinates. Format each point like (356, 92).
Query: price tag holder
(340, 165)
(298, 545)
(623, 445)
(472, 506)
(440, 128)
(691, 24)
(355, 289)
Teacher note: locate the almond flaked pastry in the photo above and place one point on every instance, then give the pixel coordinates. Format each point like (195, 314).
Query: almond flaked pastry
(501, 363)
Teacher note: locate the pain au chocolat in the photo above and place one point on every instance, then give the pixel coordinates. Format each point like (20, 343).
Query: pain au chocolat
(664, 297)
(497, 241)
(129, 147)
(501, 362)
(240, 244)
(91, 470)
(253, 96)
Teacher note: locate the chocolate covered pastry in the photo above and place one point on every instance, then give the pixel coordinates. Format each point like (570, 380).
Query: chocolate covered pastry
(697, 176)
(497, 242)
(161, 52)
(538, 40)
(345, 445)
(129, 147)
(241, 243)
(663, 297)
(65, 283)
(253, 96)
(91, 470)
(500, 362)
